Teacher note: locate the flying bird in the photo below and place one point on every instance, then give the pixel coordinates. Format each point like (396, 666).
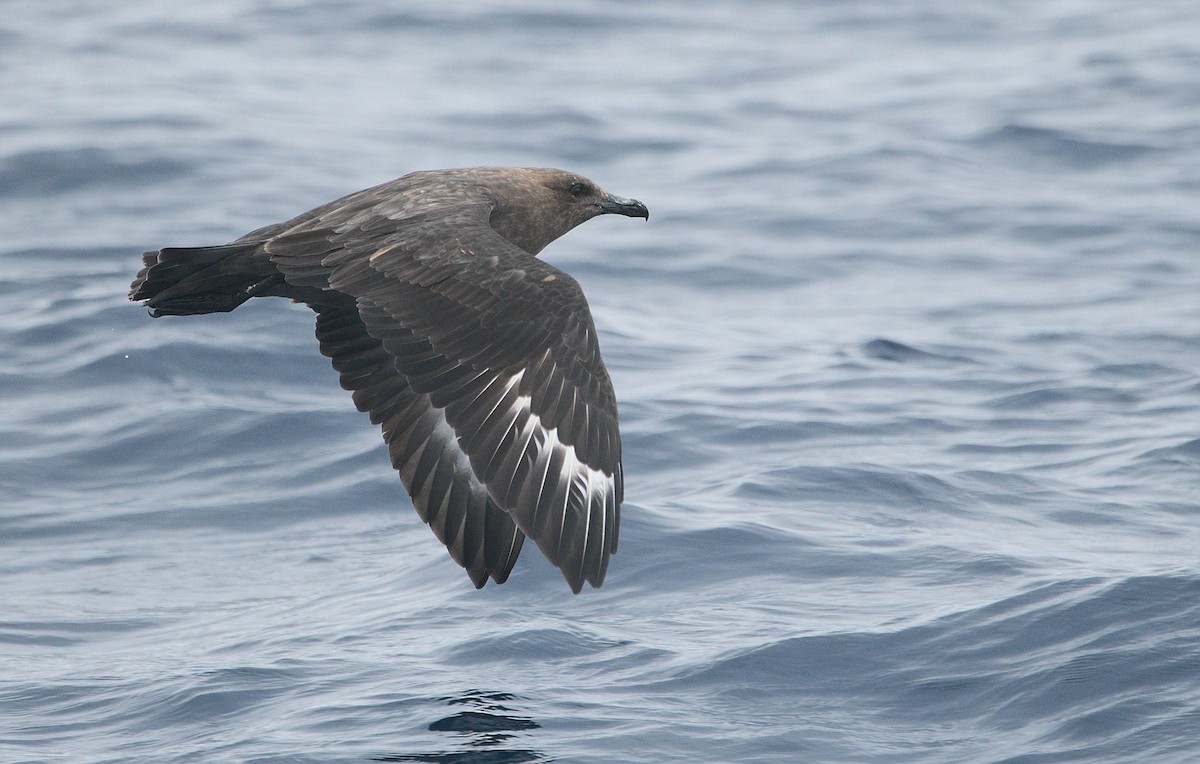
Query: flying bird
(479, 361)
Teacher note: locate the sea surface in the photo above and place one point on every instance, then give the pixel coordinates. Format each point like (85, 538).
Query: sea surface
(908, 360)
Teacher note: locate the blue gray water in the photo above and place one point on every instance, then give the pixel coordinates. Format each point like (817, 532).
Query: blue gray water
(908, 358)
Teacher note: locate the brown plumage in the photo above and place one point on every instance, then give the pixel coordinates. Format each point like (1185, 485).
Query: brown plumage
(479, 360)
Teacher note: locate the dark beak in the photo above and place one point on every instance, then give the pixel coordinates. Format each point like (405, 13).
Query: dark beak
(622, 206)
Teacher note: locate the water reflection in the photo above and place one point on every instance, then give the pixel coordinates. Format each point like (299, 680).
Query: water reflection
(479, 732)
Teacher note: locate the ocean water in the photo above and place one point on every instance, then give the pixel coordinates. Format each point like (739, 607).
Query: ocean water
(908, 358)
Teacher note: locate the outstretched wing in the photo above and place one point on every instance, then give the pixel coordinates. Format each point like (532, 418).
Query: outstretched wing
(501, 352)
(446, 494)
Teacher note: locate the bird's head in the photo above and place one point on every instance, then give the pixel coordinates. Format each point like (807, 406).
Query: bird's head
(533, 206)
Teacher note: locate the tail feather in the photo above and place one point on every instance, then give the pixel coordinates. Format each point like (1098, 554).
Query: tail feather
(178, 281)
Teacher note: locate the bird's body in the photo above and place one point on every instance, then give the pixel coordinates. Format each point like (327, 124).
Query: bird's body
(479, 360)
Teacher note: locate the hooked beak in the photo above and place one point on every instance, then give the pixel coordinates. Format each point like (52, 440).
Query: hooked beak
(622, 206)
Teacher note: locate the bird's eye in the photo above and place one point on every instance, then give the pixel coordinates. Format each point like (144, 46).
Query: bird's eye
(577, 190)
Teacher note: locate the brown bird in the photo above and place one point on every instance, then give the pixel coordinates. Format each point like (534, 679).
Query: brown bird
(479, 360)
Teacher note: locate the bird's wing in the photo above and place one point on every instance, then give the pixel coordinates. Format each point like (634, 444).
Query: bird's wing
(503, 347)
(446, 494)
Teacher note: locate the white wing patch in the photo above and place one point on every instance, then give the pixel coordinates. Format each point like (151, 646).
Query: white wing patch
(565, 505)
(590, 496)
(595, 482)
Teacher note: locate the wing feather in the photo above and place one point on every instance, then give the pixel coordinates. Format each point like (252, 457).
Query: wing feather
(479, 359)
(480, 535)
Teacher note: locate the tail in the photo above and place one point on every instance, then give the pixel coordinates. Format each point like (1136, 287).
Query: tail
(183, 281)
